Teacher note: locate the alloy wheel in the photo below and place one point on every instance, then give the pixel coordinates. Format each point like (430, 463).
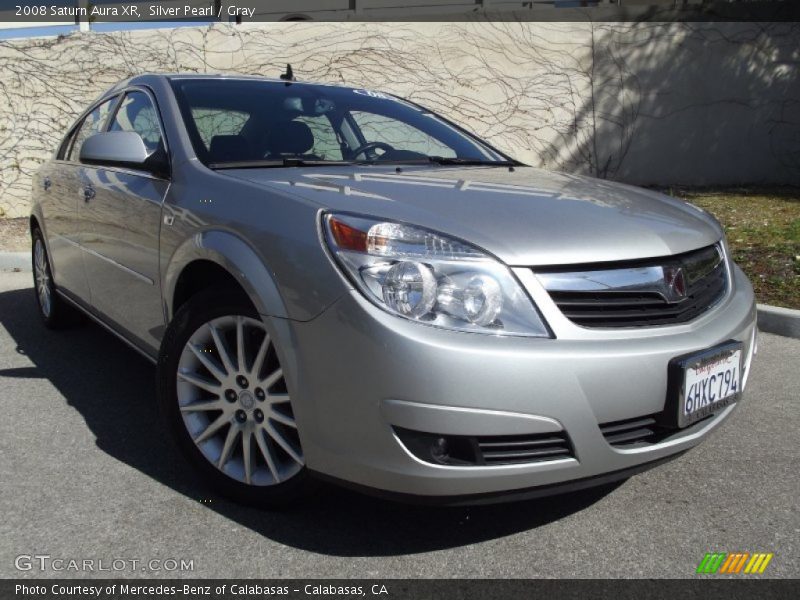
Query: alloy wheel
(234, 402)
(42, 276)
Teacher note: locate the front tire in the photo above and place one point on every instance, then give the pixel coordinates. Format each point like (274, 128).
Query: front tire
(223, 393)
(52, 309)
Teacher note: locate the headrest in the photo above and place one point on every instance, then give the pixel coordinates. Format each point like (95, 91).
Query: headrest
(290, 137)
(226, 148)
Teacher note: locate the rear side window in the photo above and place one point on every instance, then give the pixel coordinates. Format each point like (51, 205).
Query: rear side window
(136, 113)
(92, 124)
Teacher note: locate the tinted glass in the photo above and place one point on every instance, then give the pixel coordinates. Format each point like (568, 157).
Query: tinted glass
(212, 122)
(326, 144)
(92, 124)
(241, 120)
(380, 128)
(137, 113)
(63, 149)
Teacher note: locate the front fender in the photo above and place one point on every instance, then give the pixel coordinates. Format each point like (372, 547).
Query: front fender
(37, 214)
(238, 258)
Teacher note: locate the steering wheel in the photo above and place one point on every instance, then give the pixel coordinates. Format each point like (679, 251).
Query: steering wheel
(364, 148)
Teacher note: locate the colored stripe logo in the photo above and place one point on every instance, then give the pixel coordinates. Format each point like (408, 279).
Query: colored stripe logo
(734, 563)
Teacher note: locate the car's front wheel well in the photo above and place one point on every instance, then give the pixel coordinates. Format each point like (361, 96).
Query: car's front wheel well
(34, 224)
(200, 276)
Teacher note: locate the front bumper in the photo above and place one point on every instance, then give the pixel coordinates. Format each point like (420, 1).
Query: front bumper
(356, 372)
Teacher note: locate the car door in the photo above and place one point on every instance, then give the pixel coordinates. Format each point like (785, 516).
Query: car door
(59, 187)
(123, 210)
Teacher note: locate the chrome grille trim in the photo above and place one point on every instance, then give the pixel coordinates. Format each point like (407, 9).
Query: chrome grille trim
(651, 292)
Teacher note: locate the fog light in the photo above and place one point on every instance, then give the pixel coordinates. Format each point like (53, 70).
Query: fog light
(440, 449)
(410, 289)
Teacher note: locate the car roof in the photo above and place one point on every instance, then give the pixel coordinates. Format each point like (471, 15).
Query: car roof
(146, 78)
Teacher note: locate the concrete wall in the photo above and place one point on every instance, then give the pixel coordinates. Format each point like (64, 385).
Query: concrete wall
(645, 103)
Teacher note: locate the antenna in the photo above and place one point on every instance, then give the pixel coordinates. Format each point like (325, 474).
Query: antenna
(289, 75)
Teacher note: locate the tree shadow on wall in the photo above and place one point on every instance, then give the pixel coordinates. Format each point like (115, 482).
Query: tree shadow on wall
(690, 103)
(113, 389)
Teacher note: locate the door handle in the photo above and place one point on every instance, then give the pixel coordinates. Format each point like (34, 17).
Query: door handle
(46, 183)
(88, 193)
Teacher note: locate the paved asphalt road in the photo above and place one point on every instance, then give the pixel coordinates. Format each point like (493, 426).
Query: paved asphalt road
(87, 472)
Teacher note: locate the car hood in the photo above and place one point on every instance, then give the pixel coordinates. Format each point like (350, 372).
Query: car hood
(525, 216)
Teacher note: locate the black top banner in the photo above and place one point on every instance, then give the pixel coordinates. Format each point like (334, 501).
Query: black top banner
(65, 12)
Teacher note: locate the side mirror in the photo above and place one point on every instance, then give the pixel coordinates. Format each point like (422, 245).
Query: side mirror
(121, 149)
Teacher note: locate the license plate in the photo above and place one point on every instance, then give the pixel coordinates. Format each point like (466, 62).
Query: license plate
(711, 380)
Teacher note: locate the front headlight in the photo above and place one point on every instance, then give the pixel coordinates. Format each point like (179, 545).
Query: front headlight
(431, 278)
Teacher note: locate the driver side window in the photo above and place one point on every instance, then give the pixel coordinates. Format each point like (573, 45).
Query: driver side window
(399, 135)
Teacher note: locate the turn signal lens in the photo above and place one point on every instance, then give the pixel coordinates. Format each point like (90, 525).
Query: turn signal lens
(347, 237)
(396, 239)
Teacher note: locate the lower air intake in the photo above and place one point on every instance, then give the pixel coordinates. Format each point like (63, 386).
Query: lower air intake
(633, 432)
(641, 431)
(490, 450)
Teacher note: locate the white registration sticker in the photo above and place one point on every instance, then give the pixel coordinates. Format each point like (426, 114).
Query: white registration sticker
(710, 385)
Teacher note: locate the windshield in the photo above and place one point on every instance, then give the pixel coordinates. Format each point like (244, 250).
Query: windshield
(262, 123)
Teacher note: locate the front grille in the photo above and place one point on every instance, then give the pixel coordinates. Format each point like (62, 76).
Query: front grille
(634, 432)
(510, 449)
(643, 305)
(467, 450)
(642, 431)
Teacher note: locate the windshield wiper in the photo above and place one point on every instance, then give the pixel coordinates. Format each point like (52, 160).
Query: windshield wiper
(443, 160)
(273, 164)
(302, 162)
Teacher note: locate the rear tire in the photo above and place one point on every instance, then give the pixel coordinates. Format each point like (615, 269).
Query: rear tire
(54, 312)
(222, 392)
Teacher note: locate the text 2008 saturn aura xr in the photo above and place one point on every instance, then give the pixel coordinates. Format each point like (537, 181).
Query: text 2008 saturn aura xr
(339, 283)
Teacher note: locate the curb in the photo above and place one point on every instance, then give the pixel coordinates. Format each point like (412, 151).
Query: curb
(780, 321)
(771, 319)
(15, 261)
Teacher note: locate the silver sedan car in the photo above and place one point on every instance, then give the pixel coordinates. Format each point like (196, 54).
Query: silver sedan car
(338, 283)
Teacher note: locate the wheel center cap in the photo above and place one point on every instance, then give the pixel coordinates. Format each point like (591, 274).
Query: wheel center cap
(246, 399)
